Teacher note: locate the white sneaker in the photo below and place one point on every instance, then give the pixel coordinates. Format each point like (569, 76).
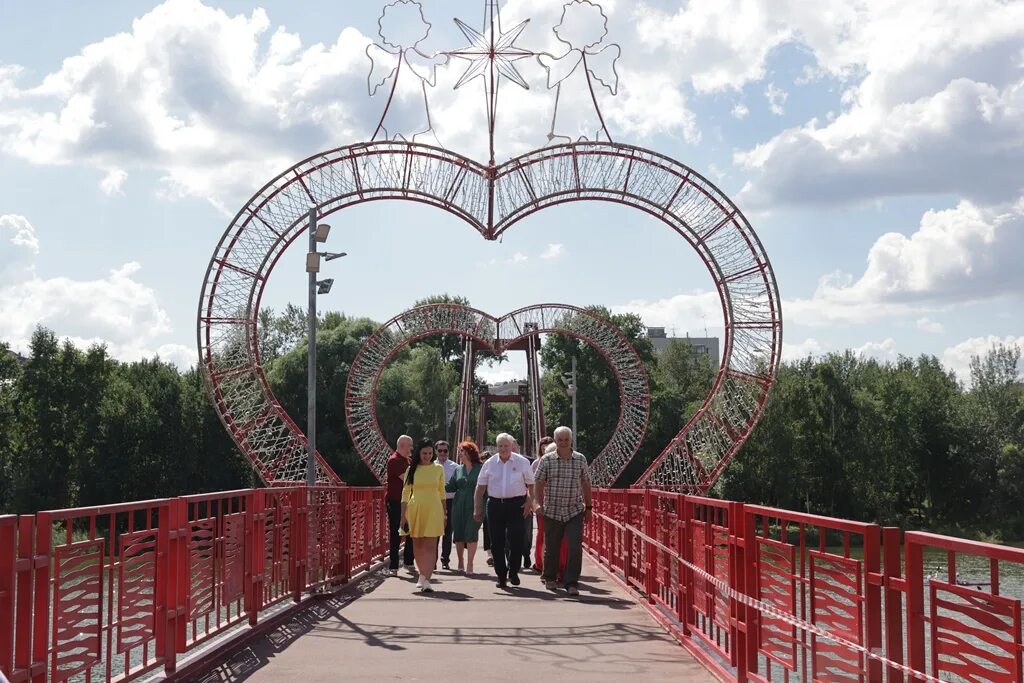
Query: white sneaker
(419, 583)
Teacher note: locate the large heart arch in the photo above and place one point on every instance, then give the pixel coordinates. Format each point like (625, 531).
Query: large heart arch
(491, 199)
(497, 334)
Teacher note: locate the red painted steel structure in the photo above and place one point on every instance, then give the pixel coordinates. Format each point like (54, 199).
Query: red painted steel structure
(499, 334)
(485, 399)
(816, 574)
(755, 593)
(121, 591)
(492, 199)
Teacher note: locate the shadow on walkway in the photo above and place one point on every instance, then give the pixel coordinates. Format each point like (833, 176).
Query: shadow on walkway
(381, 627)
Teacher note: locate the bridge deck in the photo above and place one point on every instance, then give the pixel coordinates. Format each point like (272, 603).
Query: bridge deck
(467, 629)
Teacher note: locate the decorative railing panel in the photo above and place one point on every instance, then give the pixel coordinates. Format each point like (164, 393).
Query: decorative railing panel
(762, 594)
(119, 591)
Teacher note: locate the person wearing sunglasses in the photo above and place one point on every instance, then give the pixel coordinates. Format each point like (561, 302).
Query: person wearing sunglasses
(442, 449)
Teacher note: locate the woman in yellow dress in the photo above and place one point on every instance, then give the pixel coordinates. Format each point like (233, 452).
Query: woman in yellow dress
(423, 512)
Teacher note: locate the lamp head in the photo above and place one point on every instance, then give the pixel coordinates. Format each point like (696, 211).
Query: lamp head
(312, 262)
(324, 286)
(321, 232)
(330, 256)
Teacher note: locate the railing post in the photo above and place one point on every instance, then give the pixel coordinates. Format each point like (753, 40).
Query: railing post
(255, 553)
(163, 592)
(682, 588)
(744, 652)
(8, 552)
(650, 552)
(24, 574)
(873, 581)
(298, 534)
(891, 574)
(41, 563)
(627, 538)
(748, 524)
(346, 536)
(915, 604)
(686, 574)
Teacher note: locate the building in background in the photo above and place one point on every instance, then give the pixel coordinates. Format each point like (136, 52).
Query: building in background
(702, 346)
(20, 359)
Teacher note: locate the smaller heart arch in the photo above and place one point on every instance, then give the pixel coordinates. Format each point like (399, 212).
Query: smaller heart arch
(498, 334)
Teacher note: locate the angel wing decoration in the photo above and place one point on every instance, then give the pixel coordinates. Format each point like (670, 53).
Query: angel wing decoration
(383, 65)
(582, 28)
(402, 29)
(601, 66)
(560, 68)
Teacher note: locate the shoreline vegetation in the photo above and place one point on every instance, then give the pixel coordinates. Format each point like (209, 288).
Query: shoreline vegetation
(902, 444)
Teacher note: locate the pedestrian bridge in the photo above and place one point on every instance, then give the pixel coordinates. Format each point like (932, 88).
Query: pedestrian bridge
(286, 584)
(468, 629)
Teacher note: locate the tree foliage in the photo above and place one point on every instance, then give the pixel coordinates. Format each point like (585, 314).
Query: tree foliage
(902, 443)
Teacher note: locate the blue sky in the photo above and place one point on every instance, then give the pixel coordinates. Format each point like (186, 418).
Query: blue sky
(877, 149)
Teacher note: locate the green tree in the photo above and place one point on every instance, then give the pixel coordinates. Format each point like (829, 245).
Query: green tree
(10, 376)
(278, 334)
(597, 397)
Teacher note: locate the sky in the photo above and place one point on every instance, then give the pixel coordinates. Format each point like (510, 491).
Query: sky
(876, 147)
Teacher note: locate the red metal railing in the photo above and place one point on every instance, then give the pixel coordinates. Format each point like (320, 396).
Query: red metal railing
(755, 593)
(119, 591)
(761, 594)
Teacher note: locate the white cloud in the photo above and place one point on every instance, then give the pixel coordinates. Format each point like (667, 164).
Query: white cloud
(685, 313)
(716, 44)
(776, 97)
(517, 258)
(966, 139)
(823, 310)
(501, 372)
(958, 357)
(808, 347)
(112, 182)
(553, 251)
(961, 254)
(177, 354)
(740, 111)
(883, 352)
(117, 310)
(20, 231)
(18, 248)
(933, 104)
(192, 92)
(219, 103)
(929, 326)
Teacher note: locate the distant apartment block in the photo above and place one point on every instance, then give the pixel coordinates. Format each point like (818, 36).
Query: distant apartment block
(702, 346)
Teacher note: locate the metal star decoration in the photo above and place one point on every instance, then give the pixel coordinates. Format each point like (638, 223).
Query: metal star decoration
(491, 53)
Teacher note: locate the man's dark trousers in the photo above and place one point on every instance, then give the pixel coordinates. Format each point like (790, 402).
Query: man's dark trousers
(505, 517)
(394, 520)
(446, 540)
(572, 531)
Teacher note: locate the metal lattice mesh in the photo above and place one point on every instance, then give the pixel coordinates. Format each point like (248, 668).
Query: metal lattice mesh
(499, 333)
(491, 199)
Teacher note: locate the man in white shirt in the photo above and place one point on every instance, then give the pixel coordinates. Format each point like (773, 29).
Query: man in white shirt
(442, 449)
(508, 481)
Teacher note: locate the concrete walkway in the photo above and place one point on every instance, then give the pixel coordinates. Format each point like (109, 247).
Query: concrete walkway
(468, 629)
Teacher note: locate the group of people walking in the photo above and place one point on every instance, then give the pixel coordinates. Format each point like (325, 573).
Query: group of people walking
(434, 501)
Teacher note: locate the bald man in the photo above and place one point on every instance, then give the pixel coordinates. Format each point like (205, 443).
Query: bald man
(398, 463)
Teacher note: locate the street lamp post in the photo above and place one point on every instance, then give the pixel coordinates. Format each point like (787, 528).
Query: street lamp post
(317, 233)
